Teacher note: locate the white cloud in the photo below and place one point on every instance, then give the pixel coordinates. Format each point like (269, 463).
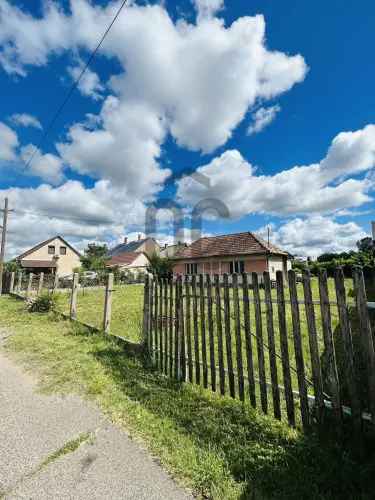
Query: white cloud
(207, 8)
(262, 118)
(89, 85)
(194, 81)
(8, 143)
(101, 213)
(315, 188)
(48, 167)
(316, 235)
(25, 120)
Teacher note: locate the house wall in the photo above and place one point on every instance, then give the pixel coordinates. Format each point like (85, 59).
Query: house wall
(216, 265)
(149, 247)
(139, 264)
(65, 263)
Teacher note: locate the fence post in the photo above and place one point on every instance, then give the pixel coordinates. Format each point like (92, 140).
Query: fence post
(56, 282)
(366, 336)
(19, 282)
(12, 278)
(40, 285)
(146, 312)
(73, 298)
(29, 285)
(108, 303)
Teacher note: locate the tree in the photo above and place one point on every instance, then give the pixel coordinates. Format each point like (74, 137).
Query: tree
(160, 267)
(95, 257)
(365, 245)
(12, 266)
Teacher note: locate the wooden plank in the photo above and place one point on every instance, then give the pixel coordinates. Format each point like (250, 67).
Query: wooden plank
(288, 392)
(12, 278)
(202, 313)
(314, 347)
(108, 303)
(146, 312)
(196, 331)
(151, 345)
(56, 282)
(166, 324)
(260, 346)
(219, 330)
(237, 330)
(188, 329)
(271, 346)
(248, 339)
(228, 336)
(350, 373)
(211, 332)
(176, 355)
(160, 325)
(366, 335)
(29, 285)
(40, 284)
(297, 340)
(182, 330)
(19, 282)
(156, 321)
(73, 297)
(171, 326)
(333, 378)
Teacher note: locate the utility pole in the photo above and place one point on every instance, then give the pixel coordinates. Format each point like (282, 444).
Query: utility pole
(5, 211)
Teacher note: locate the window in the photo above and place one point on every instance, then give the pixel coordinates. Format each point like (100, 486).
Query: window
(51, 249)
(237, 266)
(272, 269)
(62, 250)
(191, 268)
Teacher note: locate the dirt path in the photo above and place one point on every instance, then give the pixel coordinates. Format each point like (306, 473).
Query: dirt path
(54, 447)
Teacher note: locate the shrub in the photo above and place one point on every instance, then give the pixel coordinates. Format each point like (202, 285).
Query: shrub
(43, 303)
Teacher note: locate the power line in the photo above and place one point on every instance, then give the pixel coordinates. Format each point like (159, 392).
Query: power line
(73, 87)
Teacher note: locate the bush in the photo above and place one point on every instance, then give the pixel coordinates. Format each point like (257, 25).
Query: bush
(43, 303)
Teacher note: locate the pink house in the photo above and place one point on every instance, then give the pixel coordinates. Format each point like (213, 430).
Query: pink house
(231, 253)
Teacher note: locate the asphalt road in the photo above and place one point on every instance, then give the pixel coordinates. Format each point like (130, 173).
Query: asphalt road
(34, 465)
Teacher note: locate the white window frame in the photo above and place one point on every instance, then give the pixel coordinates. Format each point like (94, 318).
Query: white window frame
(236, 265)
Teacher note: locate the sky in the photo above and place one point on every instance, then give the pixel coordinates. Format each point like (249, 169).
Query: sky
(225, 116)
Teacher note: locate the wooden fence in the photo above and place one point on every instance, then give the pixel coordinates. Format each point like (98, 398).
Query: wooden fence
(303, 352)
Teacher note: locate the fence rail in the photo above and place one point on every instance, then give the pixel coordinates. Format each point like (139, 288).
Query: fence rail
(300, 350)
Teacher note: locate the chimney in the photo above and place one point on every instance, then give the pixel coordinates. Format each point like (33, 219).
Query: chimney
(165, 245)
(126, 240)
(139, 237)
(373, 229)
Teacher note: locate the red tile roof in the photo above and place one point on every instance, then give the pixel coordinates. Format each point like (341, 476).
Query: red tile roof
(229, 244)
(125, 258)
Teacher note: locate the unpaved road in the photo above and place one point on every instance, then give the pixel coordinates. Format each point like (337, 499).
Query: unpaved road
(34, 428)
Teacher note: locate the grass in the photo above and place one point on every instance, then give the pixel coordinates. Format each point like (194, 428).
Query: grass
(218, 447)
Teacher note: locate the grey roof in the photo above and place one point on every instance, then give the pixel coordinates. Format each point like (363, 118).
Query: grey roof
(133, 246)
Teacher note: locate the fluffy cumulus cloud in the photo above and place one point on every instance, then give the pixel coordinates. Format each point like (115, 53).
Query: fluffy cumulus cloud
(194, 81)
(89, 84)
(321, 187)
(48, 167)
(262, 118)
(8, 143)
(25, 120)
(316, 235)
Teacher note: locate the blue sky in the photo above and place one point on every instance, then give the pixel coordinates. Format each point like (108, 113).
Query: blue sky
(189, 82)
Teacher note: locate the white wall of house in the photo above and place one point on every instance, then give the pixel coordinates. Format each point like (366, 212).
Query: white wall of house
(139, 264)
(276, 263)
(65, 263)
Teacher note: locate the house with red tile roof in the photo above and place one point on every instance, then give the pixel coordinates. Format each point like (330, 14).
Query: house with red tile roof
(232, 253)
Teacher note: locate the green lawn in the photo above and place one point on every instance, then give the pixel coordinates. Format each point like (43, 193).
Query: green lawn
(218, 447)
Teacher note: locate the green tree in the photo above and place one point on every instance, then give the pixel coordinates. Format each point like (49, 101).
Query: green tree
(95, 257)
(365, 245)
(12, 266)
(160, 267)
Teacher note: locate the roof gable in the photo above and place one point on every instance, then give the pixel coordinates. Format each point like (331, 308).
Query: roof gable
(126, 258)
(46, 242)
(132, 246)
(230, 244)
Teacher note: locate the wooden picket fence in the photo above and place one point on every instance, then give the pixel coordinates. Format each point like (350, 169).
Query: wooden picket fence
(287, 346)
